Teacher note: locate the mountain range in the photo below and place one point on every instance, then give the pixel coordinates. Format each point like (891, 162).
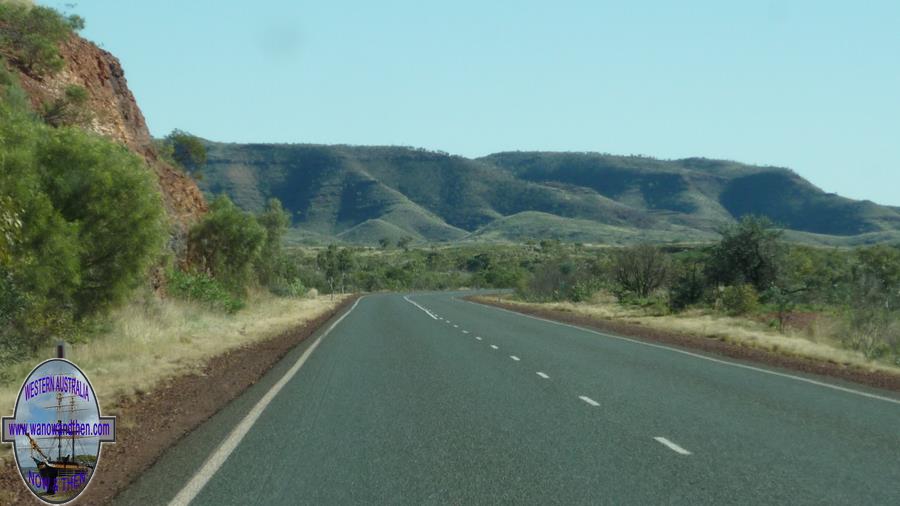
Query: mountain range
(362, 194)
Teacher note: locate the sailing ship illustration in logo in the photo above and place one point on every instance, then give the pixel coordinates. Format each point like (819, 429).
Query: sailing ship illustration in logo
(57, 431)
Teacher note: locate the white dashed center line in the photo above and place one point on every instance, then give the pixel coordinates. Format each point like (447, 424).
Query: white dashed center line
(588, 400)
(543, 375)
(514, 358)
(465, 331)
(672, 446)
(478, 337)
(494, 346)
(456, 326)
(414, 303)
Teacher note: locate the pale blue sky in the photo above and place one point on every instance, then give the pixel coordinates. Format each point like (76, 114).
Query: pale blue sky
(811, 85)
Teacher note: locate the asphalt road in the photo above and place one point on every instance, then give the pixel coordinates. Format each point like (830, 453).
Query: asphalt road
(449, 402)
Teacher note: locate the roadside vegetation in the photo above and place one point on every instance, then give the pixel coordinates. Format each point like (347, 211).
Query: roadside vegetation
(86, 256)
(82, 220)
(749, 287)
(149, 338)
(86, 250)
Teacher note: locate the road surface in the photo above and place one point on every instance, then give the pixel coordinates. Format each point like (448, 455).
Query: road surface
(429, 399)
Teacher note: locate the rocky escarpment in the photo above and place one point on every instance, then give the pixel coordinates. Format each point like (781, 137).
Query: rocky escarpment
(116, 115)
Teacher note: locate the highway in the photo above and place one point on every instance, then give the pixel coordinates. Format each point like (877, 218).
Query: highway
(428, 399)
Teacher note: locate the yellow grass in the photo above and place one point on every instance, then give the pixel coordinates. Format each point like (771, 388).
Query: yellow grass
(148, 341)
(818, 342)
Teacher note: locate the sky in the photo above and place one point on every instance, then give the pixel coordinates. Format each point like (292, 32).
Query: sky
(809, 85)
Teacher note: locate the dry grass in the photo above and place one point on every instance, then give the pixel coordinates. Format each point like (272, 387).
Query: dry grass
(148, 341)
(820, 341)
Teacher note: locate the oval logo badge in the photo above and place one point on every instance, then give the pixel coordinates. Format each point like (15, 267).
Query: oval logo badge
(57, 431)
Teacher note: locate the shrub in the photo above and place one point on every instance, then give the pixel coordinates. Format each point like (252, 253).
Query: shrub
(69, 109)
(225, 243)
(641, 269)
(270, 265)
(91, 220)
(11, 93)
(739, 299)
(185, 150)
(584, 289)
(31, 35)
(688, 287)
(294, 288)
(10, 228)
(549, 281)
(749, 252)
(199, 287)
(110, 204)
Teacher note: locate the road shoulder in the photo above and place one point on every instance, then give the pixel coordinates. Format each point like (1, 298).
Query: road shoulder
(154, 421)
(877, 379)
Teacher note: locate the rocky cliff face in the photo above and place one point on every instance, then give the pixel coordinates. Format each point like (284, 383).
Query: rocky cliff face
(116, 115)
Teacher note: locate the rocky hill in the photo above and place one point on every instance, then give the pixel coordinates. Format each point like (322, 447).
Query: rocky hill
(115, 114)
(363, 194)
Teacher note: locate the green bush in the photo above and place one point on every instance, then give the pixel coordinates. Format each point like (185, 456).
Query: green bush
(12, 95)
(688, 287)
(270, 266)
(294, 288)
(198, 287)
(183, 150)
(739, 299)
(69, 109)
(749, 252)
(31, 35)
(584, 289)
(89, 222)
(225, 243)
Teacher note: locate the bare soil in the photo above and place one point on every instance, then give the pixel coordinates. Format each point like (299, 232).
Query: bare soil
(148, 424)
(878, 379)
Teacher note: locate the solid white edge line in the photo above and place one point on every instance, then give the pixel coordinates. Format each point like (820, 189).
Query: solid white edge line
(215, 461)
(514, 358)
(543, 375)
(429, 313)
(588, 400)
(672, 446)
(697, 355)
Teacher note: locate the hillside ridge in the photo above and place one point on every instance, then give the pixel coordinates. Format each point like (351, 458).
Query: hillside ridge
(367, 193)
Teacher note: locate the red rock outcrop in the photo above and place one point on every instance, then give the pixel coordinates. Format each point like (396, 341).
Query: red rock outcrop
(116, 115)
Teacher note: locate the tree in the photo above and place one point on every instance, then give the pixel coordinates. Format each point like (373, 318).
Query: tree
(328, 260)
(226, 242)
(384, 243)
(641, 269)
(10, 228)
(344, 262)
(106, 195)
(403, 242)
(479, 262)
(873, 301)
(275, 221)
(81, 220)
(688, 285)
(749, 252)
(187, 150)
